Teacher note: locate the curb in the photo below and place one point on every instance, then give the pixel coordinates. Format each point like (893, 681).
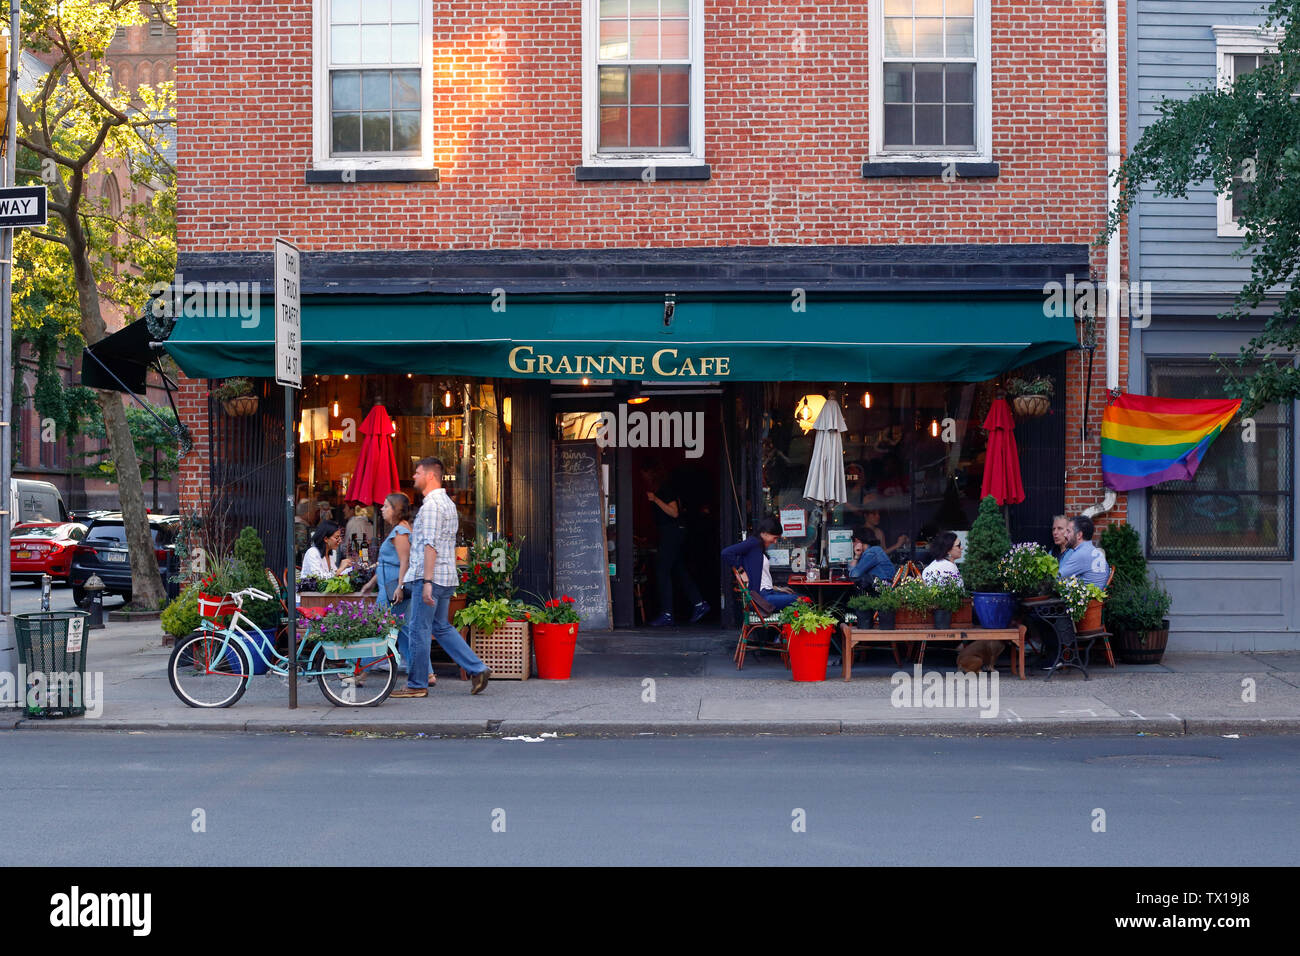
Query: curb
(699, 728)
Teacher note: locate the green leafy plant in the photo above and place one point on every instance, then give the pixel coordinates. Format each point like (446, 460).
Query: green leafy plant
(232, 388)
(986, 545)
(486, 615)
(1123, 549)
(490, 572)
(350, 622)
(224, 577)
(802, 617)
(561, 610)
(1041, 385)
(947, 591)
(1078, 594)
(1027, 567)
(915, 595)
(338, 584)
(1137, 607)
(181, 616)
(886, 598)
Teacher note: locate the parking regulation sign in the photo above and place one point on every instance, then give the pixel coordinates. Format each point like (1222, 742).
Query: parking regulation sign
(288, 315)
(22, 206)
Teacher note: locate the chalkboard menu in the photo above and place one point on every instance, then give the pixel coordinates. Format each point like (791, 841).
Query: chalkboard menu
(578, 531)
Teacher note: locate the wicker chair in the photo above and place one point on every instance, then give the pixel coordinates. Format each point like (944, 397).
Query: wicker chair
(752, 621)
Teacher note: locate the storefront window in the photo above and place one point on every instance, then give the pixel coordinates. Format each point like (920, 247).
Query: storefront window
(455, 420)
(1239, 505)
(913, 458)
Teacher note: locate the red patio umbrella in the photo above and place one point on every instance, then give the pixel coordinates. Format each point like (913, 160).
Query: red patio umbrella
(1002, 458)
(376, 475)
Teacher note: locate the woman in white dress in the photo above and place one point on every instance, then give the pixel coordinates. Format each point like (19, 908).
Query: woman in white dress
(318, 562)
(945, 549)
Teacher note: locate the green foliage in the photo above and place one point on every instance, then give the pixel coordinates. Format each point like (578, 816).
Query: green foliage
(561, 610)
(488, 614)
(338, 584)
(1042, 385)
(986, 545)
(350, 622)
(181, 616)
(1078, 594)
(232, 388)
(915, 595)
(947, 592)
(490, 572)
(886, 599)
(1140, 606)
(1123, 550)
(147, 434)
(1027, 567)
(250, 552)
(1250, 129)
(803, 617)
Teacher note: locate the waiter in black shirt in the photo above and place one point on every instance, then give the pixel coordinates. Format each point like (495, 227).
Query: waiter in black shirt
(670, 519)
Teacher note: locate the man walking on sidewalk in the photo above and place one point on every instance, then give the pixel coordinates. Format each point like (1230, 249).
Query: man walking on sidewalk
(431, 581)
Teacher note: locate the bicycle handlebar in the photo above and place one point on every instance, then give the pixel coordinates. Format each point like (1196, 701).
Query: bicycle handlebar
(238, 596)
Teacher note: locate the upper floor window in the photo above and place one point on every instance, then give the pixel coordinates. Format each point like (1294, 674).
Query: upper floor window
(1239, 50)
(644, 81)
(373, 92)
(931, 89)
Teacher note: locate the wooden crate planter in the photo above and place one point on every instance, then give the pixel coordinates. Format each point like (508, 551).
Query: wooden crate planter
(506, 650)
(906, 620)
(321, 599)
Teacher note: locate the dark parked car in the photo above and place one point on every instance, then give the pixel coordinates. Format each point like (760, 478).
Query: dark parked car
(103, 552)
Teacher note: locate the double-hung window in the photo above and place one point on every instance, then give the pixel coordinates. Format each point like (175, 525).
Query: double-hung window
(643, 85)
(1238, 50)
(373, 86)
(931, 87)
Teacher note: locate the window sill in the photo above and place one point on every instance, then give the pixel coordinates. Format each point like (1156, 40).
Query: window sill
(887, 170)
(351, 176)
(630, 173)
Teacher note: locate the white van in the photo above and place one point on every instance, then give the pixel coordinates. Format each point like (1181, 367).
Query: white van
(34, 501)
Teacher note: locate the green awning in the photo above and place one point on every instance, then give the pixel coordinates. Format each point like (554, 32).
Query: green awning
(756, 338)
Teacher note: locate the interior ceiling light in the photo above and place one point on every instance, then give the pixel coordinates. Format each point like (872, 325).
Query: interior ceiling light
(866, 399)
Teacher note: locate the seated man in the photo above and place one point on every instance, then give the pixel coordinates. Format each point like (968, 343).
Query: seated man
(749, 557)
(870, 563)
(1081, 559)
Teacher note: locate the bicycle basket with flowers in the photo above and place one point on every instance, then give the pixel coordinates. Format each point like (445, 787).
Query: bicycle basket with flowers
(352, 629)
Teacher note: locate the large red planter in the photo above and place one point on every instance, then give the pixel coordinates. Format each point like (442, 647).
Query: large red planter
(554, 645)
(809, 652)
(217, 608)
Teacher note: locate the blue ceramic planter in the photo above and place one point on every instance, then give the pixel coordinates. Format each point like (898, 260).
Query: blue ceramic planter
(993, 610)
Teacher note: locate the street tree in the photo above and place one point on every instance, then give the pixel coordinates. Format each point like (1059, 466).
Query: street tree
(1245, 138)
(104, 247)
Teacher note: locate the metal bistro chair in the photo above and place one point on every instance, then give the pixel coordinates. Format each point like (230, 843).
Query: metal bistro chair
(752, 620)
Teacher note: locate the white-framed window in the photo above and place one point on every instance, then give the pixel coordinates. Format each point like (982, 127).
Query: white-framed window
(373, 84)
(931, 81)
(1238, 51)
(643, 82)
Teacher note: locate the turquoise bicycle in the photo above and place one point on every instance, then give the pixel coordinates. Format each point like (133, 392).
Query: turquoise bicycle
(210, 668)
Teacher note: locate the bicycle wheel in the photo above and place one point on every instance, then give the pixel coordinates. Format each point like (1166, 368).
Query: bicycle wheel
(349, 683)
(204, 675)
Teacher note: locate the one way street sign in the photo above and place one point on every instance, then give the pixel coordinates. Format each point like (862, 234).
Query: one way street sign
(22, 206)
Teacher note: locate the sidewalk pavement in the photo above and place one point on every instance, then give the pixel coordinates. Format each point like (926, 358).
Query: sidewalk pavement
(682, 682)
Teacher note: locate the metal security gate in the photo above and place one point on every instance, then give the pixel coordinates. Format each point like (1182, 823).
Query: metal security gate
(1041, 442)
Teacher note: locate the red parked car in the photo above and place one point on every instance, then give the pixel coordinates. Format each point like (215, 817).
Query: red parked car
(43, 547)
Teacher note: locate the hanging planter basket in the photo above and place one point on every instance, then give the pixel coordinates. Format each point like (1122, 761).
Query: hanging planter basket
(1031, 406)
(241, 406)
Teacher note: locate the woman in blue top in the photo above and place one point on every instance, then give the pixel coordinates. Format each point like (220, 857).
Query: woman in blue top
(393, 560)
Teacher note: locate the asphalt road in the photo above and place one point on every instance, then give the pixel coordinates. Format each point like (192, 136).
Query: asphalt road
(26, 597)
(88, 799)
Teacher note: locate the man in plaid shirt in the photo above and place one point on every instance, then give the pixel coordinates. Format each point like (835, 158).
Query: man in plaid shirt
(431, 580)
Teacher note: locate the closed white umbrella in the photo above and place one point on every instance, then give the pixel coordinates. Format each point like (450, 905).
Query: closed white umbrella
(825, 483)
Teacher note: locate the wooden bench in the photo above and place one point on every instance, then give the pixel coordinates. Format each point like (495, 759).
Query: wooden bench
(1012, 635)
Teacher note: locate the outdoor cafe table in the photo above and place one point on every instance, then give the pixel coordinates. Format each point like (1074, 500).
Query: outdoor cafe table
(835, 591)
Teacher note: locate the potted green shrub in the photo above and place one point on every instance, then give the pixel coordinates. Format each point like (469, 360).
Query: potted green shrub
(807, 632)
(181, 616)
(1028, 570)
(555, 637)
(1031, 397)
(864, 608)
(946, 595)
(886, 603)
(986, 546)
(236, 397)
(1138, 617)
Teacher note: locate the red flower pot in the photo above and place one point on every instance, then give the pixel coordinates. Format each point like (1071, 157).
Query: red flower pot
(809, 651)
(216, 608)
(554, 645)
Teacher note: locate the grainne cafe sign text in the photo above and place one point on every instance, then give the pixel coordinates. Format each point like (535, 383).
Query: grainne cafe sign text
(526, 360)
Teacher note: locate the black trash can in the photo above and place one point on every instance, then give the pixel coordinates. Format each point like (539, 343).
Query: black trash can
(53, 645)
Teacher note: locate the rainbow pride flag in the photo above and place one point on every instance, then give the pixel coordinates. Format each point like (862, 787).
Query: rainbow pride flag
(1146, 440)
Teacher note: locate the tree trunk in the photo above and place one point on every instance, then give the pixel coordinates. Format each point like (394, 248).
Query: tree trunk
(146, 583)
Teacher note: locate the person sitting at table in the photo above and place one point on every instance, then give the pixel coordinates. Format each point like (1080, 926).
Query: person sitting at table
(870, 563)
(945, 549)
(749, 557)
(1081, 559)
(871, 521)
(319, 562)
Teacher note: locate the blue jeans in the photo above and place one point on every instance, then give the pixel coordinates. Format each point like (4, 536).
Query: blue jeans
(403, 610)
(425, 620)
(778, 599)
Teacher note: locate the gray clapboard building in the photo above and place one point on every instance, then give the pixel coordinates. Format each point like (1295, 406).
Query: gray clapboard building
(1224, 544)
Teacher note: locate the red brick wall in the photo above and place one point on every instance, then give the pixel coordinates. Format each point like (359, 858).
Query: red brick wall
(786, 133)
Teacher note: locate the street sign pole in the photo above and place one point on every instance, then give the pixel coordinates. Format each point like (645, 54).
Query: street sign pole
(288, 372)
(6, 334)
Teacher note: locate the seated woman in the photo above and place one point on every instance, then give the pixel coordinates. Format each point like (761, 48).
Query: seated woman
(318, 562)
(749, 557)
(870, 563)
(945, 549)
